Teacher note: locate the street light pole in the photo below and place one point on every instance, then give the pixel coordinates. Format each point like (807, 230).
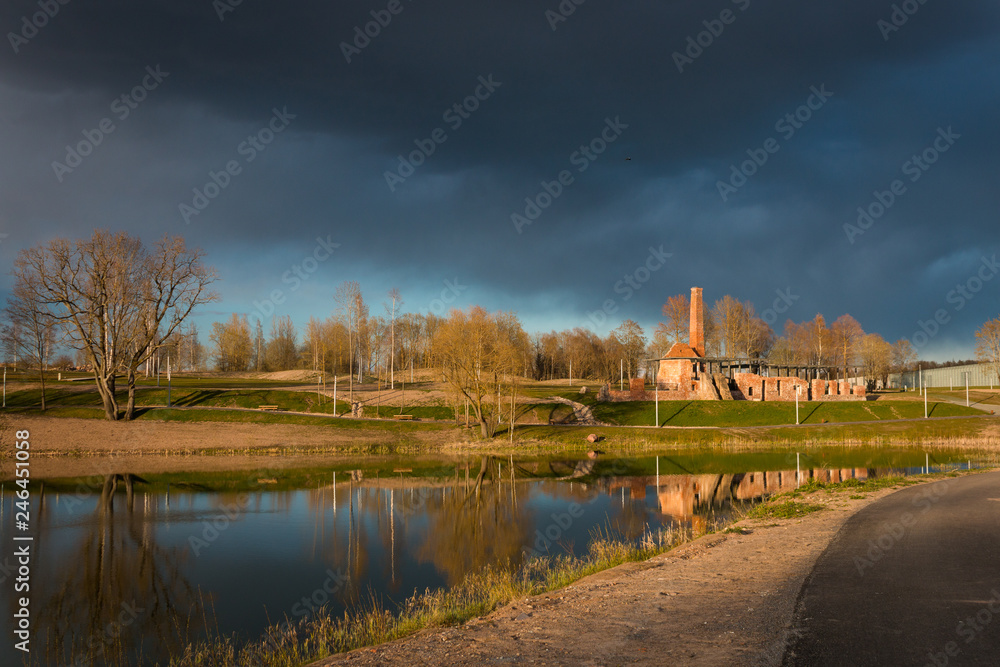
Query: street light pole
(797, 387)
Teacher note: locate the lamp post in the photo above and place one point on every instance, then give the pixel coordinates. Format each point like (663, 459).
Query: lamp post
(925, 400)
(797, 387)
(657, 394)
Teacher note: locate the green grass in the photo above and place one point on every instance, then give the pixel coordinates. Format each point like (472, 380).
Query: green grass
(970, 432)
(786, 510)
(439, 412)
(752, 413)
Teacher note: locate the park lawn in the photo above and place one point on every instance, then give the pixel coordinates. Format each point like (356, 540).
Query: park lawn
(982, 397)
(752, 413)
(220, 383)
(977, 431)
(295, 401)
(441, 412)
(243, 417)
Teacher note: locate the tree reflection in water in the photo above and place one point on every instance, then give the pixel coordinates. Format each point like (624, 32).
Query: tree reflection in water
(123, 593)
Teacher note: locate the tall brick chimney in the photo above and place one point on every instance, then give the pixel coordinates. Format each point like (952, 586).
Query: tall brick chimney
(696, 338)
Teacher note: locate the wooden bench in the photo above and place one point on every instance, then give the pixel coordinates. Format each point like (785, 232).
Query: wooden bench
(404, 417)
(268, 407)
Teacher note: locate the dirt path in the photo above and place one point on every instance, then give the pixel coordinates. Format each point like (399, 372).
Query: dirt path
(724, 599)
(582, 413)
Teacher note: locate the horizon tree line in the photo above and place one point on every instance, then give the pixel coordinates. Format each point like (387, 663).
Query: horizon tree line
(121, 308)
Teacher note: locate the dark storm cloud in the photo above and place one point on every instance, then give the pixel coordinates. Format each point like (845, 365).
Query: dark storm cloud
(550, 92)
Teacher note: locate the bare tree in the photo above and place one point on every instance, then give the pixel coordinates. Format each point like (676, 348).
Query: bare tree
(396, 302)
(115, 299)
(903, 355)
(481, 353)
(13, 341)
(845, 333)
(988, 344)
(32, 329)
(281, 350)
(633, 343)
(348, 297)
(876, 360)
(677, 311)
(233, 345)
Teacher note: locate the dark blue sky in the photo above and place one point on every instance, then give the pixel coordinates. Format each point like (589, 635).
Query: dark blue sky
(723, 144)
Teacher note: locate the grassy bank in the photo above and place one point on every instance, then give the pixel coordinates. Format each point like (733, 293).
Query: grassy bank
(980, 430)
(290, 644)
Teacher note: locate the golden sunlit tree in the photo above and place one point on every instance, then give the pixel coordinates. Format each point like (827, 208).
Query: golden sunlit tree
(876, 360)
(481, 355)
(234, 348)
(845, 333)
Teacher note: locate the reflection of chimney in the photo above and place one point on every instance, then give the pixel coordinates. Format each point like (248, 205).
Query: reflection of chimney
(696, 338)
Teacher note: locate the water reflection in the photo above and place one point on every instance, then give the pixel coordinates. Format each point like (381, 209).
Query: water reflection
(112, 579)
(131, 569)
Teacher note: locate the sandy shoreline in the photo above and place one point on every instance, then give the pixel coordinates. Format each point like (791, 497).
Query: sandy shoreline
(69, 447)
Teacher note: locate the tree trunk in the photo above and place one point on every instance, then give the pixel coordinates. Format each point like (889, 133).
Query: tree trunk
(41, 379)
(106, 388)
(130, 406)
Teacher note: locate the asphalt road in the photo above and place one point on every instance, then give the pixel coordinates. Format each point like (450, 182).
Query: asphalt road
(913, 579)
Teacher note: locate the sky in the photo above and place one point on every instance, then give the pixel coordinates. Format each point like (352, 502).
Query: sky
(576, 162)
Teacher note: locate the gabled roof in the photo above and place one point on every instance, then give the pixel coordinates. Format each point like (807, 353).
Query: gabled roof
(682, 351)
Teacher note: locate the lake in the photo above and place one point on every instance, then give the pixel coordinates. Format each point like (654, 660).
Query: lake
(139, 565)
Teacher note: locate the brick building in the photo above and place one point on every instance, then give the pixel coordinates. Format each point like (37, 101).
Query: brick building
(687, 374)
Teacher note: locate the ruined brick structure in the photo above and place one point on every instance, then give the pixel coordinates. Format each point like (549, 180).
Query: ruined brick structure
(686, 374)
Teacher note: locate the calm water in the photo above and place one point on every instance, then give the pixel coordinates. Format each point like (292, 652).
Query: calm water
(238, 550)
